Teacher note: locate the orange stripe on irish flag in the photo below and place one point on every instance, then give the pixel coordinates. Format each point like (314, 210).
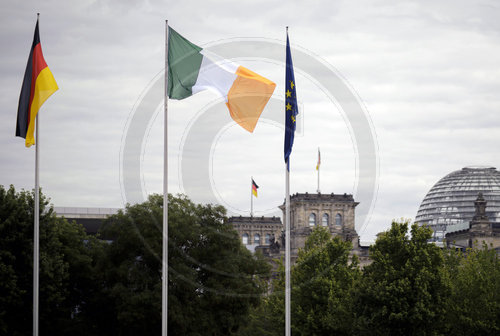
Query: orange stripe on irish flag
(248, 97)
(38, 85)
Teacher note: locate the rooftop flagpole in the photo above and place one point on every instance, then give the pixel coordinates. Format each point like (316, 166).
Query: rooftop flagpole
(318, 166)
(251, 196)
(164, 320)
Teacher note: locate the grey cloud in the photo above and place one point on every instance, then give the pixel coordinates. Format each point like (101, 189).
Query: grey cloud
(427, 72)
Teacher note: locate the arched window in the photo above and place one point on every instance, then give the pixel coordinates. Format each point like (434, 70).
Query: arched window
(256, 239)
(338, 220)
(245, 239)
(324, 220)
(312, 219)
(268, 238)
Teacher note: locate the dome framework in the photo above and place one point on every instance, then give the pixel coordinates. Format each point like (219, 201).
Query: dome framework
(449, 205)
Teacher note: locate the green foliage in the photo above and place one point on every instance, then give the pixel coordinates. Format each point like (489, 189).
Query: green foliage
(412, 287)
(213, 279)
(404, 290)
(65, 267)
(16, 249)
(112, 286)
(94, 287)
(129, 271)
(212, 273)
(322, 280)
(268, 318)
(474, 303)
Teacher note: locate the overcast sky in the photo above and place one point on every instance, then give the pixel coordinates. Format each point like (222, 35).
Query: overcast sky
(427, 74)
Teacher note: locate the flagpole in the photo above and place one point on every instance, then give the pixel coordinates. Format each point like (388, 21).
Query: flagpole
(287, 251)
(287, 225)
(36, 246)
(251, 196)
(36, 235)
(319, 167)
(165, 198)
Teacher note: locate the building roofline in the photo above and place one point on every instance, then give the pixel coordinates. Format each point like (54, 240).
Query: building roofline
(319, 197)
(83, 212)
(254, 220)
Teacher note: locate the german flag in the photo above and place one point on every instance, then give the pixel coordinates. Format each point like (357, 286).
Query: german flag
(254, 188)
(319, 160)
(38, 85)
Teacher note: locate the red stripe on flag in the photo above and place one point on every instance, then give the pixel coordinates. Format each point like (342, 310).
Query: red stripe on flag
(38, 65)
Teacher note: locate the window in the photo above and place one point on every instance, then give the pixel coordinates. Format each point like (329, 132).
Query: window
(245, 239)
(256, 239)
(268, 238)
(338, 220)
(324, 220)
(312, 219)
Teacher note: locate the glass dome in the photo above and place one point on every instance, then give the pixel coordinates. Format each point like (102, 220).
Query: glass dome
(449, 205)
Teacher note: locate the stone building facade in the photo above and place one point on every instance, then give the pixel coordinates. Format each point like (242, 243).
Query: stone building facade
(257, 231)
(480, 230)
(333, 211)
(307, 211)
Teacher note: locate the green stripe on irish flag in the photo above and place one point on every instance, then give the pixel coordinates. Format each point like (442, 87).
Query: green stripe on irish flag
(190, 71)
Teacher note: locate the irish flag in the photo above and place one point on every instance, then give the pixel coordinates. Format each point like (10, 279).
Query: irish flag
(190, 71)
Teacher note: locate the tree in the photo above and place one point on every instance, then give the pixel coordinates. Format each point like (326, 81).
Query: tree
(322, 280)
(474, 303)
(65, 267)
(213, 278)
(404, 290)
(268, 318)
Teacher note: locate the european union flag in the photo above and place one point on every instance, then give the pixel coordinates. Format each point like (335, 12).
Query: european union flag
(291, 109)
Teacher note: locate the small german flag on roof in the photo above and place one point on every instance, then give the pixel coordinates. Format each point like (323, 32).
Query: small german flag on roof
(254, 188)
